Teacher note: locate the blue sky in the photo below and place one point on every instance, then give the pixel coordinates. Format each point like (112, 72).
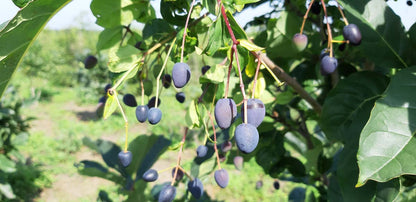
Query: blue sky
(78, 14)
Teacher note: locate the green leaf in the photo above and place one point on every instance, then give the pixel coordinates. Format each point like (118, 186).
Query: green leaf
(192, 117)
(109, 37)
(111, 13)
(6, 190)
(250, 46)
(157, 29)
(348, 100)
(123, 58)
(7, 165)
(110, 105)
(20, 32)
(387, 143)
(381, 30)
(216, 75)
(215, 37)
(174, 11)
(20, 3)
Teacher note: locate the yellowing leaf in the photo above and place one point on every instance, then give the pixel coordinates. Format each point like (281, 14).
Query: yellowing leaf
(110, 105)
(250, 45)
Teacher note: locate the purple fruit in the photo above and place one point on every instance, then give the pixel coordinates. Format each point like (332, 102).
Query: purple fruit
(181, 73)
(106, 88)
(276, 185)
(300, 41)
(90, 62)
(196, 188)
(324, 53)
(226, 146)
(125, 158)
(246, 137)
(225, 112)
(179, 175)
(152, 102)
(141, 113)
(201, 151)
(154, 115)
(180, 97)
(222, 157)
(166, 80)
(129, 100)
(150, 176)
(238, 162)
(352, 34)
(221, 177)
(328, 65)
(255, 112)
(205, 69)
(167, 194)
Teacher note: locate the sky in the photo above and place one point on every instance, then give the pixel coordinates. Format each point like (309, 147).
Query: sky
(78, 14)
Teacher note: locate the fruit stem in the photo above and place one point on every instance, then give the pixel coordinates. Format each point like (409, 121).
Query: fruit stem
(255, 76)
(227, 23)
(229, 73)
(125, 34)
(338, 41)
(342, 13)
(126, 124)
(166, 169)
(328, 29)
(186, 173)
(161, 70)
(306, 16)
(215, 140)
(141, 84)
(241, 82)
(207, 134)
(125, 75)
(203, 93)
(184, 31)
(178, 162)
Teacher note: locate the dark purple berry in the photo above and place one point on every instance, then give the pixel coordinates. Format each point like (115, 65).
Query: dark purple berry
(106, 88)
(150, 176)
(342, 46)
(102, 99)
(167, 194)
(300, 41)
(316, 8)
(152, 102)
(90, 62)
(276, 185)
(352, 34)
(138, 44)
(125, 158)
(246, 137)
(205, 69)
(324, 53)
(222, 157)
(181, 73)
(166, 80)
(154, 115)
(196, 188)
(328, 65)
(221, 177)
(201, 151)
(226, 146)
(129, 100)
(179, 175)
(255, 112)
(141, 113)
(238, 162)
(180, 97)
(225, 112)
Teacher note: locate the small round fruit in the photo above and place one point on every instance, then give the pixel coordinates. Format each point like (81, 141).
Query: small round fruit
(201, 151)
(324, 53)
(154, 115)
(181, 73)
(255, 112)
(196, 188)
(180, 97)
(222, 157)
(300, 41)
(205, 69)
(102, 99)
(226, 146)
(150, 175)
(179, 175)
(225, 112)
(166, 80)
(238, 162)
(138, 44)
(316, 8)
(276, 185)
(352, 34)
(152, 102)
(328, 65)
(259, 184)
(246, 137)
(221, 177)
(90, 62)
(141, 113)
(106, 88)
(167, 194)
(125, 158)
(129, 100)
